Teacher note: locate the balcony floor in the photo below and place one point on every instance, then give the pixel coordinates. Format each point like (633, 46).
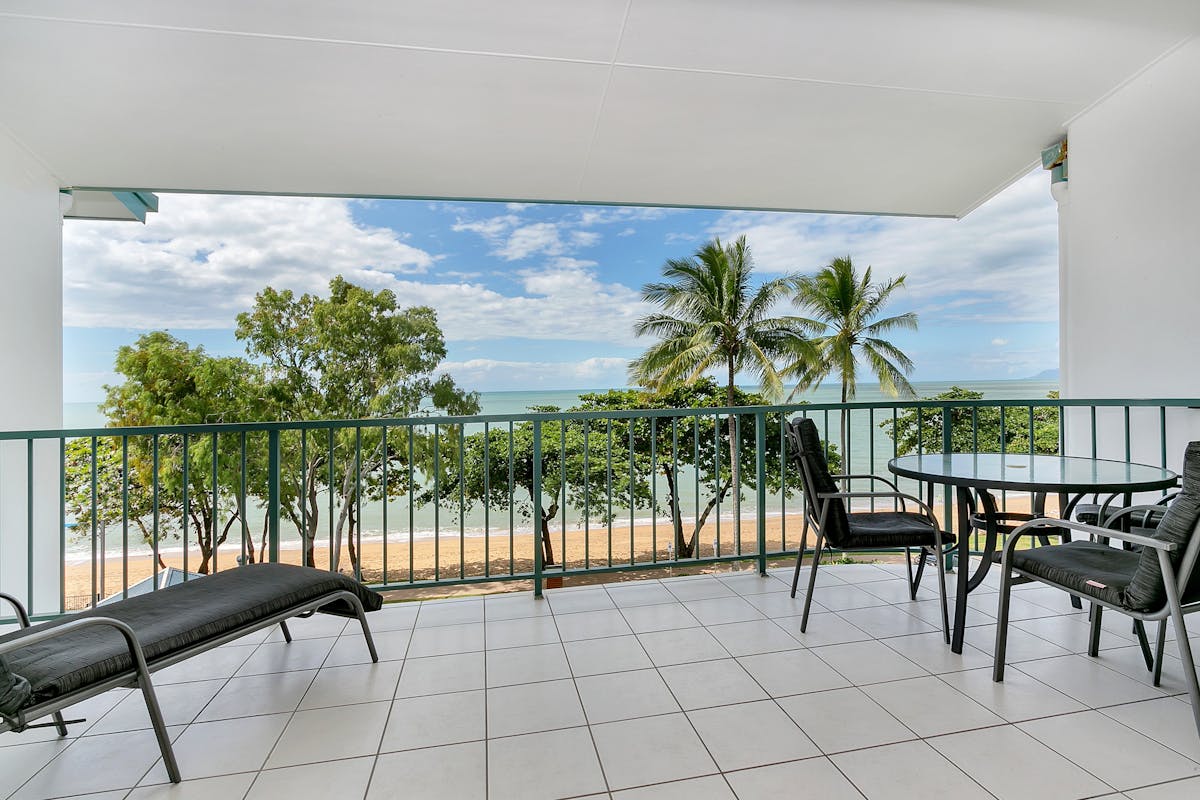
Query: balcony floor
(699, 687)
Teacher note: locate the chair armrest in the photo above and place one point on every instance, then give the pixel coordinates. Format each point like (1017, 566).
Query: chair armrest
(1033, 527)
(903, 498)
(860, 476)
(1129, 511)
(37, 637)
(22, 614)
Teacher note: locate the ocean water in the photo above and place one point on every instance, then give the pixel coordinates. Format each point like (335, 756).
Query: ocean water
(868, 453)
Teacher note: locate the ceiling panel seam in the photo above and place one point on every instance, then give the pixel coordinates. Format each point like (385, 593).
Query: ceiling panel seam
(591, 145)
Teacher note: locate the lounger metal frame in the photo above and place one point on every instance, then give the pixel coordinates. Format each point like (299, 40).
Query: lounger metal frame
(139, 676)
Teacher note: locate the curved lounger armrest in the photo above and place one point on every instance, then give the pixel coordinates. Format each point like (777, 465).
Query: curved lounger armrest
(22, 614)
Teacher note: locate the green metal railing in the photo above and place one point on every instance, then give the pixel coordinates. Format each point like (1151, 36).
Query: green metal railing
(440, 500)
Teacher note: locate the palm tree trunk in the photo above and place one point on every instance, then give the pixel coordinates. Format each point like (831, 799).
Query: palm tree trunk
(734, 465)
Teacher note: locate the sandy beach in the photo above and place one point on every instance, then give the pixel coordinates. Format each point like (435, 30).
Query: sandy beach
(450, 557)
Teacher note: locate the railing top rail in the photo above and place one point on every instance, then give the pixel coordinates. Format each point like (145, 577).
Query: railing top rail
(529, 416)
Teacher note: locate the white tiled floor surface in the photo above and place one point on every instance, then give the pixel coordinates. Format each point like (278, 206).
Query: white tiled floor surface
(698, 687)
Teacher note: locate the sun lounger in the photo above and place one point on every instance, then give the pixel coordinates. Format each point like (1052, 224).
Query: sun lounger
(48, 667)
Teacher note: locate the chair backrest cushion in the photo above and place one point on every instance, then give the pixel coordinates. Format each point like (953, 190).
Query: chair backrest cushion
(1146, 591)
(817, 479)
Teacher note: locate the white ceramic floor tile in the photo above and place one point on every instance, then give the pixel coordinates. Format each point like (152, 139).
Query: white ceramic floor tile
(521, 632)
(844, 719)
(1165, 720)
(514, 605)
(712, 787)
(782, 604)
(599, 656)
(624, 695)
(750, 638)
(449, 612)
(711, 683)
(392, 617)
(592, 625)
(180, 703)
(930, 651)
(19, 762)
(868, 662)
(252, 695)
(445, 639)
(1117, 755)
(533, 707)
(318, 626)
(220, 787)
(792, 672)
(324, 734)
(577, 600)
(205, 749)
(681, 647)
(1071, 632)
(818, 777)
(1019, 697)
(360, 683)
(637, 752)
(698, 589)
(930, 707)
(846, 597)
(719, 610)
(351, 648)
(1176, 790)
(907, 771)
(641, 593)
(1013, 765)
(1022, 645)
(437, 773)
(348, 778)
(751, 735)
(823, 629)
(435, 720)
(546, 662)
(885, 621)
(543, 766)
(302, 654)
(222, 662)
(1085, 680)
(458, 672)
(659, 617)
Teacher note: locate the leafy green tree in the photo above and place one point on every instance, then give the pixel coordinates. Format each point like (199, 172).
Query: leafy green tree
(167, 382)
(845, 323)
(975, 429)
(353, 355)
(713, 319)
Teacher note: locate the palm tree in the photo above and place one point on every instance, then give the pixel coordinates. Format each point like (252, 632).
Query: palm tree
(844, 310)
(713, 319)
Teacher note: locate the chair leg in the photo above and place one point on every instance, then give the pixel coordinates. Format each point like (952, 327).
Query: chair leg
(1139, 630)
(160, 727)
(912, 587)
(800, 555)
(1181, 634)
(1002, 624)
(60, 724)
(287, 634)
(941, 568)
(920, 571)
(1159, 646)
(1094, 636)
(812, 580)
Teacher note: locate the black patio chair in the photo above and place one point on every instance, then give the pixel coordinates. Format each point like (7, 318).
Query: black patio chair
(843, 529)
(1150, 585)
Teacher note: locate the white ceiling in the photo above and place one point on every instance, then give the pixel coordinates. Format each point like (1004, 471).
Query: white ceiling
(890, 106)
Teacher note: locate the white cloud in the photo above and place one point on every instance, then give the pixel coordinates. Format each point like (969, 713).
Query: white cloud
(202, 259)
(999, 342)
(500, 375)
(999, 264)
(535, 238)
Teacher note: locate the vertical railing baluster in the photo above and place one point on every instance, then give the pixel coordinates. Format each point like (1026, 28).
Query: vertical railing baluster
(632, 520)
(29, 525)
(216, 506)
(358, 518)
(92, 601)
(487, 501)
(124, 516)
(537, 508)
(737, 501)
(653, 485)
(187, 507)
(871, 444)
(62, 527)
(947, 490)
(1128, 443)
(783, 480)
(155, 510)
(512, 550)
(716, 483)
(587, 494)
(608, 485)
(760, 472)
(462, 501)
(242, 510)
(273, 496)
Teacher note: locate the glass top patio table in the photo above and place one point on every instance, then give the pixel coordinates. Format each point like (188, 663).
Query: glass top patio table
(1038, 473)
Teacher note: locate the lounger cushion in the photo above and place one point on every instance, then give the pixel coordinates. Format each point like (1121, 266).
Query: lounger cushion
(172, 619)
(1146, 591)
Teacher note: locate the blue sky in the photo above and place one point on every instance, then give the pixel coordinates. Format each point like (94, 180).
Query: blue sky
(545, 296)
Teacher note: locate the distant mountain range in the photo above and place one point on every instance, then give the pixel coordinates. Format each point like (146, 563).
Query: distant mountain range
(1045, 375)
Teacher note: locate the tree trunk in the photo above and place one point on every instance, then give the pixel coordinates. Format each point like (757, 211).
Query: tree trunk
(351, 545)
(682, 548)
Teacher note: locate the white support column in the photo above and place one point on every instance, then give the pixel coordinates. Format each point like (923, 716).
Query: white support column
(31, 366)
(1130, 258)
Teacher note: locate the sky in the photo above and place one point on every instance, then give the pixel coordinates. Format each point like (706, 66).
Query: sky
(540, 297)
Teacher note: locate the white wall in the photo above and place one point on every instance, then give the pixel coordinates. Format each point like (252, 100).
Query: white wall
(30, 370)
(1130, 258)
